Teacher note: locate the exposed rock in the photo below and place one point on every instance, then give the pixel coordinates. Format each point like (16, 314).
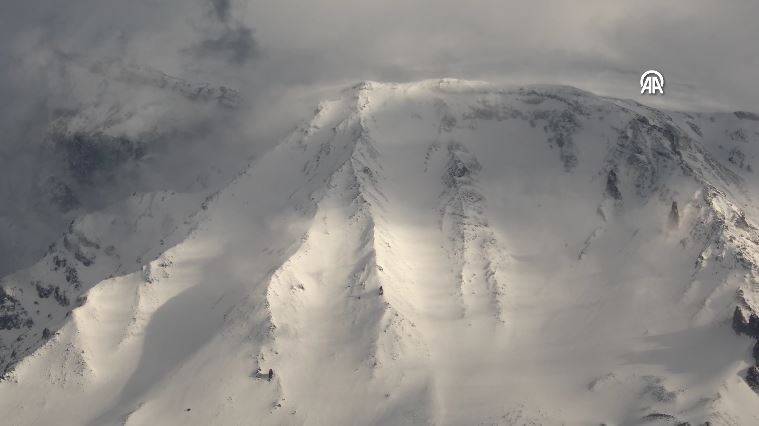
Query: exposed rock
(149, 77)
(58, 262)
(745, 322)
(81, 258)
(61, 297)
(43, 291)
(737, 157)
(81, 300)
(12, 314)
(695, 128)
(738, 135)
(659, 418)
(674, 215)
(87, 155)
(72, 277)
(752, 378)
(611, 185)
(561, 127)
(744, 115)
(656, 390)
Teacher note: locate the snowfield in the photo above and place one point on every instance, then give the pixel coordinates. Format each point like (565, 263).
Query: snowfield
(443, 252)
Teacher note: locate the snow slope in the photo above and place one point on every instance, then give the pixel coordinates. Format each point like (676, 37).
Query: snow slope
(443, 252)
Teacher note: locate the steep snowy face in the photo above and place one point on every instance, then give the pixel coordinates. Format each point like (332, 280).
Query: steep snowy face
(443, 252)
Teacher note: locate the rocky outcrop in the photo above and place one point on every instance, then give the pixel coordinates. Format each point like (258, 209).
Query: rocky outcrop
(752, 378)
(745, 322)
(744, 115)
(674, 215)
(12, 313)
(612, 188)
(35, 303)
(475, 251)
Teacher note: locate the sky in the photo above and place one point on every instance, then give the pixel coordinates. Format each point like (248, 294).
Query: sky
(706, 50)
(88, 66)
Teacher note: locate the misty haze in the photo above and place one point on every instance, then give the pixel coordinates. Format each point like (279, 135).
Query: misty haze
(245, 212)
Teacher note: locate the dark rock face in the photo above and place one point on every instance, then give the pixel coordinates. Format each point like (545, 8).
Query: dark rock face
(674, 215)
(9, 322)
(560, 121)
(81, 300)
(748, 324)
(43, 291)
(72, 277)
(12, 314)
(561, 127)
(659, 417)
(657, 391)
(81, 258)
(461, 168)
(738, 135)
(737, 157)
(647, 151)
(745, 323)
(744, 115)
(61, 297)
(58, 262)
(89, 154)
(695, 128)
(458, 170)
(71, 274)
(611, 185)
(752, 378)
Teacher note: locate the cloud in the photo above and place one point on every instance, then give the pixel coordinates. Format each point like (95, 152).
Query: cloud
(222, 8)
(209, 83)
(706, 50)
(231, 40)
(235, 45)
(106, 102)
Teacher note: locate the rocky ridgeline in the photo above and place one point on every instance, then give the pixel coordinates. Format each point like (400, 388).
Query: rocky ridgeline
(35, 303)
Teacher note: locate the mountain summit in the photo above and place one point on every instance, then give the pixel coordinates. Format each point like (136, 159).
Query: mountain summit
(441, 252)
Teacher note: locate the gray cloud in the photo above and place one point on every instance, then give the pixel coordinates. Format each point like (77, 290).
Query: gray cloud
(706, 50)
(230, 40)
(209, 83)
(222, 8)
(103, 101)
(235, 45)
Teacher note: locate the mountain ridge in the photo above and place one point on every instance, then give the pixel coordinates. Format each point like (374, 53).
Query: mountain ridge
(474, 209)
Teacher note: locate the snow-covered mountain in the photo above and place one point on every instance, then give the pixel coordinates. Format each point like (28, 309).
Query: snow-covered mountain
(443, 252)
